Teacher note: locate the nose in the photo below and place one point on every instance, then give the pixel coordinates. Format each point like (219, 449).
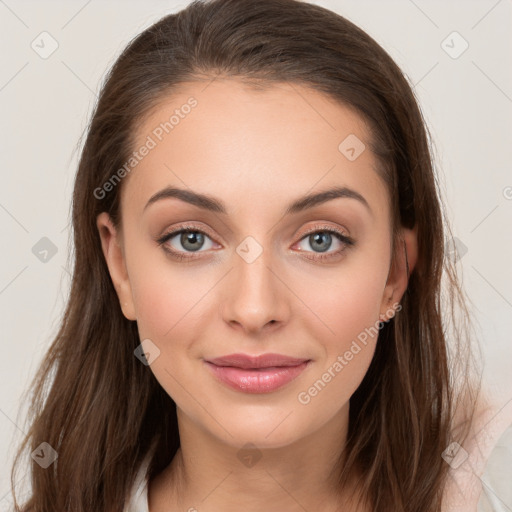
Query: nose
(255, 296)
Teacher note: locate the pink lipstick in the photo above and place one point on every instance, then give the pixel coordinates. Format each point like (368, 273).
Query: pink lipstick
(256, 374)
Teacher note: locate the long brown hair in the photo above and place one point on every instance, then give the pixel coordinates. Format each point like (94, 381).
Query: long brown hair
(103, 411)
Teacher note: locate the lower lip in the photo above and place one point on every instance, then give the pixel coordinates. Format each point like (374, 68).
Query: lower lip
(264, 380)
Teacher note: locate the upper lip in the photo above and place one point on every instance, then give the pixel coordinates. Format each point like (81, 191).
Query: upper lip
(263, 361)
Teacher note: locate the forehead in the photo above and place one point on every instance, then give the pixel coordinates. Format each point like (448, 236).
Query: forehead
(232, 140)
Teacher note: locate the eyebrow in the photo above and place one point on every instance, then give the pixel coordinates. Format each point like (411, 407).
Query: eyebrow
(215, 205)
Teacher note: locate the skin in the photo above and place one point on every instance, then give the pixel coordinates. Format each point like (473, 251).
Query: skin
(257, 151)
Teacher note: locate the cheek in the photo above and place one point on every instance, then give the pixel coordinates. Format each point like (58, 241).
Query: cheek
(171, 311)
(346, 305)
(348, 333)
(343, 302)
(170, 302)
(167, 294)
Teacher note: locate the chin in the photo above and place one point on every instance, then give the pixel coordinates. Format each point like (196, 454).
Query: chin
(266, 428)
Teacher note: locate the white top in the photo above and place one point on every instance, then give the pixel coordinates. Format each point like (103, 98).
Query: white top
(496, 495)
(497, 491)
(138, 501)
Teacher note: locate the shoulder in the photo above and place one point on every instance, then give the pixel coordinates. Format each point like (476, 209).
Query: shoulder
(497, 492)
(468, 461)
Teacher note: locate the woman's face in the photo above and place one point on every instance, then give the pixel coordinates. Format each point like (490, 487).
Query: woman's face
(255, 275)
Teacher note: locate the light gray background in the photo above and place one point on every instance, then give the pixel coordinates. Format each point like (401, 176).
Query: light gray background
(45, 105)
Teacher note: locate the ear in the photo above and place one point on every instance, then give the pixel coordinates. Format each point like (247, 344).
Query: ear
(114, 256)
(402, 265)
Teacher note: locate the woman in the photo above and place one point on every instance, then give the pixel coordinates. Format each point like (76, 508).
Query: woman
(255, 316)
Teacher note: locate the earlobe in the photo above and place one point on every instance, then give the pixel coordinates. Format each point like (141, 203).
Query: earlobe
(114, 257)
(403, 264)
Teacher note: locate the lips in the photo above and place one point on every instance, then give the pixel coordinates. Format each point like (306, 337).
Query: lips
(256, 374)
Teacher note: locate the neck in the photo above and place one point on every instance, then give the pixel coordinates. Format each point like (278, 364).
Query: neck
(207, 474)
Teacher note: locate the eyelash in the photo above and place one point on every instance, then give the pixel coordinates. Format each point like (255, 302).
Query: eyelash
(347, 241)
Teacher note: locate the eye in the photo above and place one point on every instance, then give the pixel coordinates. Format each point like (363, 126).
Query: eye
(320, 238)
(185, 240)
